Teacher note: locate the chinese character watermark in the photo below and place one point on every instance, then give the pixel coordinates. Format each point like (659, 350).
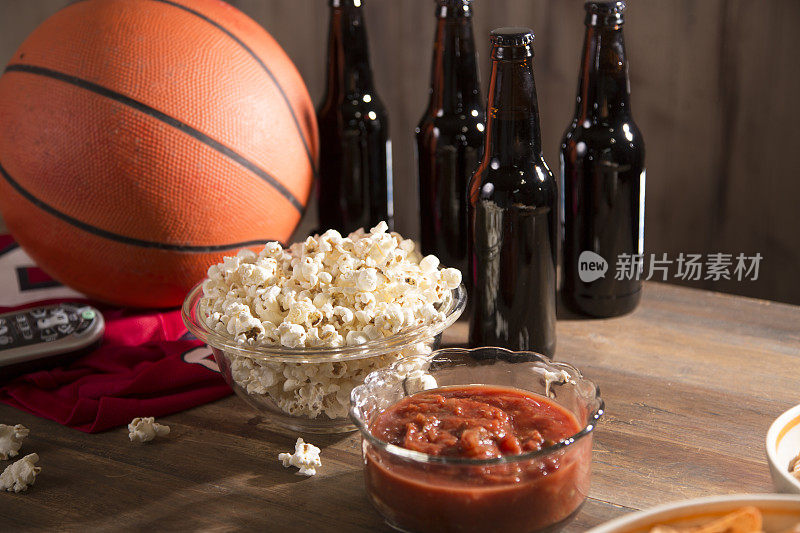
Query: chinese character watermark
(690, 266)
(629, 266)
(715, 266)
(744, 269)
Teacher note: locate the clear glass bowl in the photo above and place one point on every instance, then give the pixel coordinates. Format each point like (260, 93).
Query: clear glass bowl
(533, 491)
(281, 383)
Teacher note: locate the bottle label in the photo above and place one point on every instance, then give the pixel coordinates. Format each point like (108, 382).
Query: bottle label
(641, 211)
(389, 185)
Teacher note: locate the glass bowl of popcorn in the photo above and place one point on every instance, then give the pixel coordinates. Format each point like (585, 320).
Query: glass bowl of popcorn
(295, 329)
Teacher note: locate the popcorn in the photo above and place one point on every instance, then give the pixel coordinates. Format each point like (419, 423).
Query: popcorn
(418, 381)
(289, 384)
(429, 263)
(146, 429)
(356, 337)
(305, 457)
(11, 438)
(557, 377)
(344, 314)
(19, 475)
(325, 292)
(451, 277)
(367, 280)
(292, 335)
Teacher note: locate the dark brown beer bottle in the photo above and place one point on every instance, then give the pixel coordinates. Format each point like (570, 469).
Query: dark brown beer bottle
(512, 211)
(602, 176)
(450, 135)
(355, 167)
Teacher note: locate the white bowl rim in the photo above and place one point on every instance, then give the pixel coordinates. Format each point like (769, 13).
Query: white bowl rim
(632, 519)
(772, 443)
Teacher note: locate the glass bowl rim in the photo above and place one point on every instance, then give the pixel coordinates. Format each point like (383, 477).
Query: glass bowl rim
(595, 403)
(278, 353)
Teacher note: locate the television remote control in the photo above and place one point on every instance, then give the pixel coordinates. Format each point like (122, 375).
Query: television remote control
(36, 335)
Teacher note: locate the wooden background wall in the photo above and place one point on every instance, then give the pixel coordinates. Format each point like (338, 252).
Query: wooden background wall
(716, 93)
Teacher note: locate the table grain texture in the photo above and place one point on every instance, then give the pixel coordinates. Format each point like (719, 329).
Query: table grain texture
(691, 380)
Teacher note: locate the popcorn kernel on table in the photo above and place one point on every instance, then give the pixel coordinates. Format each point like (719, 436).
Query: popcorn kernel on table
(11, 438)
(20, 474)
(146, 429)
(305, 457)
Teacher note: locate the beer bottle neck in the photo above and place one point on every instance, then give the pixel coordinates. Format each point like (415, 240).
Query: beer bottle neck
(349, 73)
(513, 135)
(455, 86)
(604, 89)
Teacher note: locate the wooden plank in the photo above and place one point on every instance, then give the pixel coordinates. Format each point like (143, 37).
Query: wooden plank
(683, 419)
(595, 512)
(222, 478)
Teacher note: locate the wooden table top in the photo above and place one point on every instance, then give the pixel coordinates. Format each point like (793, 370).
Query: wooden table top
(691, 381)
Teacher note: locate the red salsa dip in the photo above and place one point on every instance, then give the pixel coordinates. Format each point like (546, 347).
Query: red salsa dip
(477, 422)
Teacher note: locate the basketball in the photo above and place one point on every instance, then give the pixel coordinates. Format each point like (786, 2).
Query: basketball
(143, 140)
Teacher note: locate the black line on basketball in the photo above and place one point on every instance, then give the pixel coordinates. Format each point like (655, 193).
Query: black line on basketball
(171, 121)
(263, 65)
(41, 204)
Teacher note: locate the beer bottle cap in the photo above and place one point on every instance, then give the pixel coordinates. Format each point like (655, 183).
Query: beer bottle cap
(512, 37)
(605, 13)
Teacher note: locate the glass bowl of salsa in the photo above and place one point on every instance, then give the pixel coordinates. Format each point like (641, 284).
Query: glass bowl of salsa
(479, 440)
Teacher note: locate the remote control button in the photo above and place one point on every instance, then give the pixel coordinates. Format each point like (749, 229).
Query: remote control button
(3, 329)
(55, 320)
(65, 329)
(5, 339)
(48, 335)
(88, 314)
(38, 313)
(24, 327)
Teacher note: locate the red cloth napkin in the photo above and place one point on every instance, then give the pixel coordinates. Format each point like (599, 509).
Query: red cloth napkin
(147, 365)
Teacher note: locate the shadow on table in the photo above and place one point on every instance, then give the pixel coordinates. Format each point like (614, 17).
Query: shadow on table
(265, 497)
(214, 472)
(564, 313)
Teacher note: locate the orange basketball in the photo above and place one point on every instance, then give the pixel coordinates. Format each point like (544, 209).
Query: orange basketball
(142, 140)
